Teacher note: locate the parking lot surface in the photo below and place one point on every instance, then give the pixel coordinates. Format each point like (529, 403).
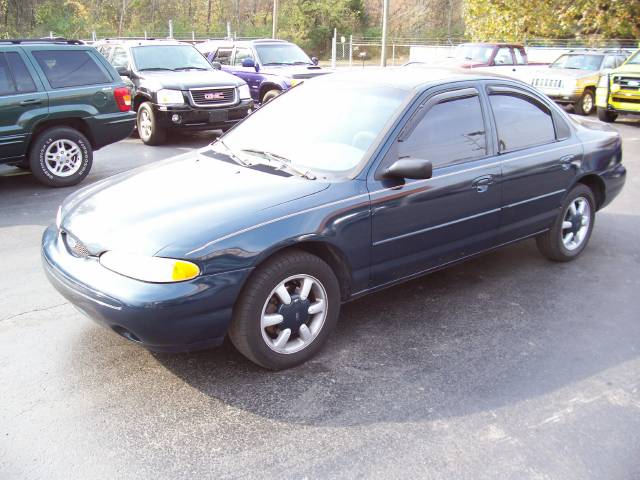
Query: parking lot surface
(507, 366)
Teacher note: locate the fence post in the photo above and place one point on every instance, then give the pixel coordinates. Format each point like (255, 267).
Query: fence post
(50, 34)
(94, 37)
(393, 54)
(145, 34)
(334, 47)
(170, 28)
(193, 35)
(350, 51)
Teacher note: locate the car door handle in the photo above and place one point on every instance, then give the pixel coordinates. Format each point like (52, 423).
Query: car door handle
(31, 101)
(481, 184)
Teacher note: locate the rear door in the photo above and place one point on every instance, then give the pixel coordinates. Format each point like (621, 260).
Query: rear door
(421, 224)
(538, 153)
(23, 102)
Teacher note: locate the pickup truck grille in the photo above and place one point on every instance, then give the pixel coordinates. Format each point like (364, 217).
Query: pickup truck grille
(546, 82)
(213, 97)
(628, 83)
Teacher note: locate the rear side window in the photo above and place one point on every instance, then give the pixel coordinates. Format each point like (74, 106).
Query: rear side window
(241, 54)
(521, 57)
(450, 132)
(23, 79)
(6, 82)
(223, 56)
(521, 122)
(70, 68)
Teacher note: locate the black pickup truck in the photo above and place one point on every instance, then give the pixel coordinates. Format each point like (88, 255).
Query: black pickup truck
(175, 87)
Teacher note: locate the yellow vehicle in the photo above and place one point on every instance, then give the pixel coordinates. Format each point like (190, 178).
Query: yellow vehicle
(619, 91)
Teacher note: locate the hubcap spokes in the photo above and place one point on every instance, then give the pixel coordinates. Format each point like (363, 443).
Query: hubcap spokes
(294, 314)
(587, 103)
(145, 124)
(576, 223)
(63, 158)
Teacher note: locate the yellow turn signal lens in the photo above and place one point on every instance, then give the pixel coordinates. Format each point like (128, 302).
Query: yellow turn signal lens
(184, 271)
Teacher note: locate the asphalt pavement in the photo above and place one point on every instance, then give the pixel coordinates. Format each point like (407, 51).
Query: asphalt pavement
(505, 367)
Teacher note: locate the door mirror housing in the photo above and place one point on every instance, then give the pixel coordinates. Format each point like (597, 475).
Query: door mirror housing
(314, 60)
(216, 65)
(412, 168)
(123, 71)
(248, 63)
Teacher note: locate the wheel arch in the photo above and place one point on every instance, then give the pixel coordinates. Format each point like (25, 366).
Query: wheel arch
(139, 99)
(596, 185)
(268, 85)
(73, 122)
(332, 255)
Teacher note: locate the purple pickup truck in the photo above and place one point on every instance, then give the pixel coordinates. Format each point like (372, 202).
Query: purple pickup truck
(268, 66)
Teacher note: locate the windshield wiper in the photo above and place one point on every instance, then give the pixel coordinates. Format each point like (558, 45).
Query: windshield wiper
(283, 161)
(155, 68)
(232, 155)
(189, 68)
(277, 63)
(301, 63)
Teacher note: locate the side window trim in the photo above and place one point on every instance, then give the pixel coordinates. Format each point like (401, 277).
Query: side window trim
(34, 82)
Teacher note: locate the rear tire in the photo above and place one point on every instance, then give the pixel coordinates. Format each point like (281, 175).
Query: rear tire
(584, 106)
(572, 228)
(262, 317)
(605, 115)
(60, 157)
(150, 132)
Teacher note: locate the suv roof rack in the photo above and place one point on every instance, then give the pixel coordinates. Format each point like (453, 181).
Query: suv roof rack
(18, 41)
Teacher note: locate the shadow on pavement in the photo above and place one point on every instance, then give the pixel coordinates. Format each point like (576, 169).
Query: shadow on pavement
(494, 331)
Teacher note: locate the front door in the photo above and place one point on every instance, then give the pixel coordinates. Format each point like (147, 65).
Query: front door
(23, 102)
(421, 224)
(248, 74)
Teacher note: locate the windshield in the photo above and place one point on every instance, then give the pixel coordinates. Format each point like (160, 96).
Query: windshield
(169, 57)
(474, 53)
(579, 62)
(634, 59)
(324, 127)
(278, 54)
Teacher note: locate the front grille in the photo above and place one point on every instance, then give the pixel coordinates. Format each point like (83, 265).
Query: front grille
(75, 246)
(546, 82)
(626, 100)
(213, 97)
(628, 83)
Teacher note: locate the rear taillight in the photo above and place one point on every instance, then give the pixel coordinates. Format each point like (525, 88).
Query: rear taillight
(123, 98)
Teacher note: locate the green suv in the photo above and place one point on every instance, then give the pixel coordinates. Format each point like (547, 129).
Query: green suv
(59, 101)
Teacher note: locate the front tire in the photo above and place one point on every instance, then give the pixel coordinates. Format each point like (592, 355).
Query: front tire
(150, 132)
(286, 311)
(605, 115)
(270, 95)
(60, 157)
(572, 228)
(585, 104)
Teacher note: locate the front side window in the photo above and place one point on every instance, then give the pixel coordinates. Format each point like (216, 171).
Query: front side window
(23, 79)
(168, 57)
(119, 57)
(503, 57)
(70, 68)
(282, 54)
(521, 122)
(347, 119)
(634, 59)
(609, 62)
(241, 54)
(450, 132)
(223, 56)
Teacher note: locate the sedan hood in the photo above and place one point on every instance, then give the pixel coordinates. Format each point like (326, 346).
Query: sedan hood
(185, 200)
(184, 80)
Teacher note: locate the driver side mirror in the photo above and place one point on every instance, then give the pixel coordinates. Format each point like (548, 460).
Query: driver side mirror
(216, 65)
(123, 71)
(412, 168)
(314, 60)
(248, 63)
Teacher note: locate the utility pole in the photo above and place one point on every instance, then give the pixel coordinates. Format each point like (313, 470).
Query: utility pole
(385, 19)
(275, 19)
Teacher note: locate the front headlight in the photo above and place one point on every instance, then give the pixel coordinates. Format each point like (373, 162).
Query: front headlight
(149, 269)
(244, 92)
(569, 85)
(170, 97)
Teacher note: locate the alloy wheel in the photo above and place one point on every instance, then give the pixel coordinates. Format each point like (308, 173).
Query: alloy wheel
(63, 158)
(294, 313)
(145, 125)
(575, 224)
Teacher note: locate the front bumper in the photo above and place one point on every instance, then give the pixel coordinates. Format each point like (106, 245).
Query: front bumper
(562, 97)
(199, 118)
(174, 317)
(620, 101)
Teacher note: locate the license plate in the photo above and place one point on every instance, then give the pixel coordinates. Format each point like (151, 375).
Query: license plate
(634, 83)
(218, 116)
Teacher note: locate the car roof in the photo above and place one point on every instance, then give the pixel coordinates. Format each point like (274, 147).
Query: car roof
(489, 44)
(243, 43)
(412, 78)
(141, 42)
